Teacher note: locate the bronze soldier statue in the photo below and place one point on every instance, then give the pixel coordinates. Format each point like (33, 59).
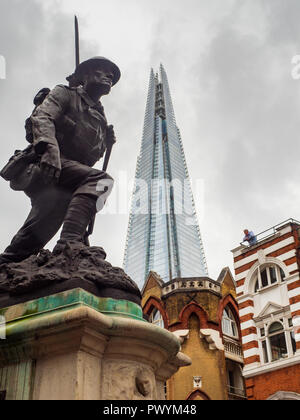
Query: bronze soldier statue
(69, 134)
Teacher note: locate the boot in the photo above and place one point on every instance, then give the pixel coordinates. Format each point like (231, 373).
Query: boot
(5, 260)
(81, 210)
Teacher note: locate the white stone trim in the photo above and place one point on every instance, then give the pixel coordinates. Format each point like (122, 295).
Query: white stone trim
(243, 299)
(251, 366)
(249, 338)
(181, 335)
(284, 396)
(293, 278)
(245, 261)
(246, 311)
(240, 290)
(259, 369)
(285, 230)
(213, 338)
(238, 251)
(251, 352)
(287, 255)
(295, 307)
(241, 275)
(294, 292)
(247, 324)
(292, 267)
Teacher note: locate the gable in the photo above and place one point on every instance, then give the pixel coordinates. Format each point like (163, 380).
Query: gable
(227, 283)
(152, 282)
(269, 309)
(152, 287)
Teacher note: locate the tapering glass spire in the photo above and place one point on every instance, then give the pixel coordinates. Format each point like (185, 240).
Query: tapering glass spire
(163, 233)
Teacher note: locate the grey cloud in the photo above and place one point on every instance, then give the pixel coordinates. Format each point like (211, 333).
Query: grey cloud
(236, 104)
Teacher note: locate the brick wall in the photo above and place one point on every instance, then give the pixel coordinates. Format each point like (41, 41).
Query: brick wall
(261, 387)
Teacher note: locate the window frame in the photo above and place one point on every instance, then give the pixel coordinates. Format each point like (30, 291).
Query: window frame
(233, 323)
(158, 322)
(258, 281)
(287, 330)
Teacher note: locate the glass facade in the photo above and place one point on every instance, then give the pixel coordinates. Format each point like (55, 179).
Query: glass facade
(163, 233)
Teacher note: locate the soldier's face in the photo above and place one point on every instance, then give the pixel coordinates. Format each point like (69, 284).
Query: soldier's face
(102, 79)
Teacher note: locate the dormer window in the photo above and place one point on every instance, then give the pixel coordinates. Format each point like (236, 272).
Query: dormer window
(268, 275)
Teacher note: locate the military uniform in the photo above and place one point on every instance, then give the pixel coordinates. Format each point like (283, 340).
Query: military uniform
(71, 122)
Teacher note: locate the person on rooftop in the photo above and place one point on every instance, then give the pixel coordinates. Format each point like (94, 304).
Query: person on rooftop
(250, 237)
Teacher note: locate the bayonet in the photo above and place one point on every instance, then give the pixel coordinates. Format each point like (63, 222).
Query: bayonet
(77, 55)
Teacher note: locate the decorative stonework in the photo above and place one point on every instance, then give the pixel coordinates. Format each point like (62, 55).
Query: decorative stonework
(271, 310)
(82, 354)
(197, 380)
(284, 396)
(128, 381)
(191, 284)
(213, 338)
(182, 335)
(233, 350)
(261, 256)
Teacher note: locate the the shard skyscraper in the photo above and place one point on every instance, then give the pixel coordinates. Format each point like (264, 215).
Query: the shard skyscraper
(163, 233)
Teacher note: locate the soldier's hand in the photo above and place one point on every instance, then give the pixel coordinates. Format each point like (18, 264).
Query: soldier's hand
(50, 164)
(110, 135)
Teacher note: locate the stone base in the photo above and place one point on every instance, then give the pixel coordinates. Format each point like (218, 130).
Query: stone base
(7, 299)
(75, 266)
(77, 346)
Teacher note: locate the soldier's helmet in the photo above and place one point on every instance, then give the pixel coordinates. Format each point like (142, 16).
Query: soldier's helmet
(94, 63)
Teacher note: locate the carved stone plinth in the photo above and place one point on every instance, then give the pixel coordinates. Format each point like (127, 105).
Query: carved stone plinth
(76, 346)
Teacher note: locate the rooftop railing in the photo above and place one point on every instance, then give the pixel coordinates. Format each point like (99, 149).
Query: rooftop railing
(262, 236)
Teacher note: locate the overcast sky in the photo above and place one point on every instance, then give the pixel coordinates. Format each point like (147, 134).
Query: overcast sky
(236, 103)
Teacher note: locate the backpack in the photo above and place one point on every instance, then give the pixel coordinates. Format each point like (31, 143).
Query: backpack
(22, 168)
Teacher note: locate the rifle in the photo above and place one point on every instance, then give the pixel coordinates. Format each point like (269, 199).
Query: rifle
(92, 222)
(90, 228)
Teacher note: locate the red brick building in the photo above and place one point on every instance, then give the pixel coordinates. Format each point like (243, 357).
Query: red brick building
(268, 295)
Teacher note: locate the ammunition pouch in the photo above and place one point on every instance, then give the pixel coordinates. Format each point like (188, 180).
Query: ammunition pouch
(22, 169)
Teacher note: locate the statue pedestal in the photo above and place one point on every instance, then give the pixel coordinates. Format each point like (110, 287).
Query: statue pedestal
(74, 345)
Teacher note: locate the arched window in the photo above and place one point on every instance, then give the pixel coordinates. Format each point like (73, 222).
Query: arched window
(156, 318)
(277, 340)
(284, 396)
(267, 275)
(229, 325)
